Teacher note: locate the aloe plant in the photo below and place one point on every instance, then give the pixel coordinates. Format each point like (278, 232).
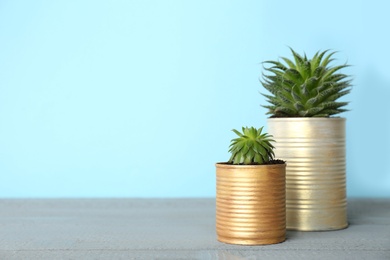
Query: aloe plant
(305, 87)
(251, 147)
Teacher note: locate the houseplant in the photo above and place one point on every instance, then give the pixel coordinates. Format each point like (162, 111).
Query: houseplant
(303, 100)
(250, 199)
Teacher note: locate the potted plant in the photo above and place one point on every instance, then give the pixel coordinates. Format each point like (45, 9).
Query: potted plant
(250, 199)
(303, 102)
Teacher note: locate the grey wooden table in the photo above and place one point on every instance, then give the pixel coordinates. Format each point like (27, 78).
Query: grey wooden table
(171, 229)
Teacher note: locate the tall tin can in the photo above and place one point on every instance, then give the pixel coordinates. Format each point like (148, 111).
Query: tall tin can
(314, 149)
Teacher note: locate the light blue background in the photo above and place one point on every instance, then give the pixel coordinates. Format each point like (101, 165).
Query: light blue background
(137, 98)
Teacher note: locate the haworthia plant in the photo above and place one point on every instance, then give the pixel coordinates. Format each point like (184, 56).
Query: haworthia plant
(305, 87)
(251, 147)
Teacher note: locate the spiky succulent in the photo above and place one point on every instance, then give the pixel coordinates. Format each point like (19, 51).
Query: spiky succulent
(251, 147)
(305, 87)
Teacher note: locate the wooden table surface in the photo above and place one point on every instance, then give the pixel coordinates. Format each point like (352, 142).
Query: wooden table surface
(171, 229)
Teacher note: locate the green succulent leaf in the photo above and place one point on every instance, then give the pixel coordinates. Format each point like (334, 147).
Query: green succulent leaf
(284, 111)
(298, 58)
(318, 72)
(328, 59)
(293, 75)
(237, 132)
(306, 69)
(316, 61)
(313, 111)
(289, 63)
(298, 106)
(312, 83)
(312, 101)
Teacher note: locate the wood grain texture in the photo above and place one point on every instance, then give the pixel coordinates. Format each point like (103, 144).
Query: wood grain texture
(90, 229)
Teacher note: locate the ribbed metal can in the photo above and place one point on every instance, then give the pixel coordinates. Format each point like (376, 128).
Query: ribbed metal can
(250, 204)
(314, 149)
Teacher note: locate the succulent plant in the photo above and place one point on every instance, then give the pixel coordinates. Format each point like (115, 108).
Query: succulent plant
(305, 87)
(251, 147)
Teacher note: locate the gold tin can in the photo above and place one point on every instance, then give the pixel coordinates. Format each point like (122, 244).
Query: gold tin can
(314, 149)
(250, 204)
